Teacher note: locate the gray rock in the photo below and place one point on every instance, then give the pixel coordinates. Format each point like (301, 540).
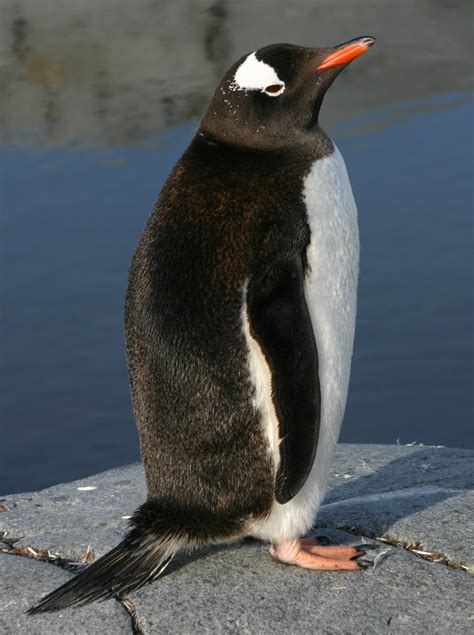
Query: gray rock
(415, 496)
(23, 582)
(384, 468)
(68, 520)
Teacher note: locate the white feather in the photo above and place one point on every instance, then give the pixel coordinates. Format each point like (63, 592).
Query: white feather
(331, 290)
(253, 74)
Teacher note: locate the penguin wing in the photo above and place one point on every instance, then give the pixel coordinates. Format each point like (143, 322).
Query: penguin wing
(280, 322)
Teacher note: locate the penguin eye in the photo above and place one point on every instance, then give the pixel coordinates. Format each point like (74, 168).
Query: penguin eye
(275, 89)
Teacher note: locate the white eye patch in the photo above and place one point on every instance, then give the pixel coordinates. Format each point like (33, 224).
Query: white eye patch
(254, 74)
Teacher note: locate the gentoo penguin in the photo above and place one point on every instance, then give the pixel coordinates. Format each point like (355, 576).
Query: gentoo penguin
(239, 319)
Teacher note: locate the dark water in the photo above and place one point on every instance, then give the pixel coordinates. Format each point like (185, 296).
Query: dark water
(94, 114)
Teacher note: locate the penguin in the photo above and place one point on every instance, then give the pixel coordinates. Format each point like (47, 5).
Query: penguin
(239, 320)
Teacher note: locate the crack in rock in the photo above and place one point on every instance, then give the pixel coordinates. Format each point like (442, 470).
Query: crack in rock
(137, 622)
(406, 492)
(413, 547)
(45, 555)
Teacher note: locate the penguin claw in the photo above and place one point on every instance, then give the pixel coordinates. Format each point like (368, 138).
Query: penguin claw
(370, 558)
(358, 554)
(364, 563)
(367, 546)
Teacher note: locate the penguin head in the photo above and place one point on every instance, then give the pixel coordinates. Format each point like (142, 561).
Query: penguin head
(272, 96)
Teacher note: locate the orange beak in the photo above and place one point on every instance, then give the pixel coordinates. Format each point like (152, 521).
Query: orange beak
(346, 52)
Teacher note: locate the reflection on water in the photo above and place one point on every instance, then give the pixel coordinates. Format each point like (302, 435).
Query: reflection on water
(98, 100)
(398, 113)
(113, 72)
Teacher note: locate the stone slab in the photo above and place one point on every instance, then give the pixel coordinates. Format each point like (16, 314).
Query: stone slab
(24, 580)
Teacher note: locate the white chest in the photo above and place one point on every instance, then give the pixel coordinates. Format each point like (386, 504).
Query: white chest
(331, 291)
(331, 296)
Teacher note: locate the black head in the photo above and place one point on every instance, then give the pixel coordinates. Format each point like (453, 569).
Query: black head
(272, 97)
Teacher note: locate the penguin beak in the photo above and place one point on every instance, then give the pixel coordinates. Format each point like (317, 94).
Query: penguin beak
(346, 52)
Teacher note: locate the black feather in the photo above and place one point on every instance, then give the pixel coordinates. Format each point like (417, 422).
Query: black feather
(138, 559)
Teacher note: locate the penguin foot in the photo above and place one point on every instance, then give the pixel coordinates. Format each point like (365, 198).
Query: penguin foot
(316, 540)
(308, 554)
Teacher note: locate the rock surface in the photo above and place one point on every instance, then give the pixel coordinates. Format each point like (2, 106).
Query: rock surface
(418, 498)
(22, 580)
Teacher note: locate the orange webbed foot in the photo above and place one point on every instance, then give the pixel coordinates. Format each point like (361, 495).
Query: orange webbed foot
(308, 553)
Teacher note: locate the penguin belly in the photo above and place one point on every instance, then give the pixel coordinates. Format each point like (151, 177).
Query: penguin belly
(331, 296)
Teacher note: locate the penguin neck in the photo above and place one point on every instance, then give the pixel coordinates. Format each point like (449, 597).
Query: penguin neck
(313, 141)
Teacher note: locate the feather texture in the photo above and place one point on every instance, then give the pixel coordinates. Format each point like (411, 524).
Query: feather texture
(138, 559)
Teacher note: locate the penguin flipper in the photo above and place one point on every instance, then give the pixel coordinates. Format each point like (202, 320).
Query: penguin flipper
(279, 320)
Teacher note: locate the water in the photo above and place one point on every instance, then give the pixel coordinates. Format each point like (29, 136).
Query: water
(96, 105)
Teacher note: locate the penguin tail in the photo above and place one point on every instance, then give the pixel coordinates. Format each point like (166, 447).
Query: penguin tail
(140, 558)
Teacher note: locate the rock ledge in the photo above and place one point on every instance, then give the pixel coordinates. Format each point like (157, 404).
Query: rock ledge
(417, 500)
